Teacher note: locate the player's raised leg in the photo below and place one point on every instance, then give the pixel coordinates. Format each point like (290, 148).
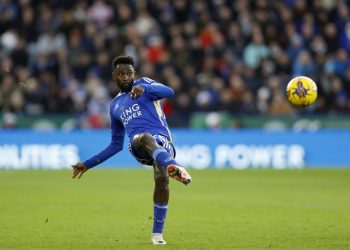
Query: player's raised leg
(147, 143)
(160, 205)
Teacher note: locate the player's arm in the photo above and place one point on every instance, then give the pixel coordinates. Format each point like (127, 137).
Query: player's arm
(152, 88)
(114, 147)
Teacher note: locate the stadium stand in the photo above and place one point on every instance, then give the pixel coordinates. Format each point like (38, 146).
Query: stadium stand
(232, 56)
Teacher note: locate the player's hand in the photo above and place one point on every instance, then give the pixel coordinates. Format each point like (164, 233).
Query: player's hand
(137, 91)
(78, 170)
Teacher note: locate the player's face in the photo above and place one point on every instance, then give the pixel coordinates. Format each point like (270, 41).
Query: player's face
(124, 75)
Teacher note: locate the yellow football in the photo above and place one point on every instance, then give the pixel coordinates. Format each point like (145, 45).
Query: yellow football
(301, 91)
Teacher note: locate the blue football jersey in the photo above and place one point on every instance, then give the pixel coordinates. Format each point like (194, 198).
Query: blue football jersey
(132, 117)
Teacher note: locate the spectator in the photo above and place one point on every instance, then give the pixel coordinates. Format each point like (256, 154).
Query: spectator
(255, 51)
(304, 65)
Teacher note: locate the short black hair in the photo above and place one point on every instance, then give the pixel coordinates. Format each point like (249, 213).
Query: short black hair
(123, 60)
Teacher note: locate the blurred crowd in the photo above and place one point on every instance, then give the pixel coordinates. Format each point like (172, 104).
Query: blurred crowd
(218, 55)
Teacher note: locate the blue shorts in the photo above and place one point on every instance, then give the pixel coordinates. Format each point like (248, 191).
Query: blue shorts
(143, 158)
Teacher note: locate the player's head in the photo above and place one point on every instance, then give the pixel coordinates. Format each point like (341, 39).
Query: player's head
(123, 72)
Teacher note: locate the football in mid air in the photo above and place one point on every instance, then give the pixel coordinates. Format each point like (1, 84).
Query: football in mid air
(301, 91)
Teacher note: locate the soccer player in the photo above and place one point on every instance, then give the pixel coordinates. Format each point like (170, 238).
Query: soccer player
(137, 111)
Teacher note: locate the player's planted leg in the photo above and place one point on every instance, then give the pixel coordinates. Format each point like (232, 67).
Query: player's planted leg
(146, 142)
(160, 206)
(163, 162)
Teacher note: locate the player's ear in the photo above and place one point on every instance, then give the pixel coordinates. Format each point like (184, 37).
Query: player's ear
(114, 76)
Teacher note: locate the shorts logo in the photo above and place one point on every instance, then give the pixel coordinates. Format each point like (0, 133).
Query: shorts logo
(168, 159)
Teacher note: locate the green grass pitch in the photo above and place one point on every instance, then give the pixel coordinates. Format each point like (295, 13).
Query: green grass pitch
(222, 209)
